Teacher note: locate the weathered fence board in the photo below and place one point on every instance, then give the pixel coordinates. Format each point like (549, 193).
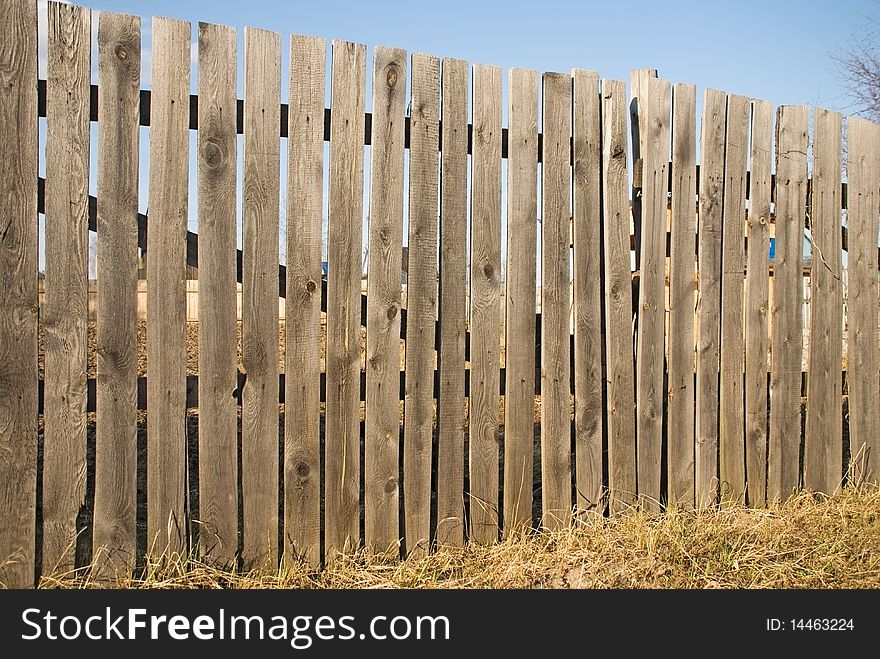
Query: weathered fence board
(217, 529)
(119, 62)
(167, 530)
(453, 303)
(342, 427)
(620, 385)
(555, 302)
(485, 314)
(823, 441)
(756, 302)
(18, 295)
(64, 314)
(382, 430)
(586, 218)
(520, 285)
(682, 285)
(711, 184)
(862, 170)
(302, 418)
(786, 336)
(259, 325)
(654, 109)
(731, 416)
(421, 300)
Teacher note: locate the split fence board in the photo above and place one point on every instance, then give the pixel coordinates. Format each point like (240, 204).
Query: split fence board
(218, 537)
(342, 428)
(620, 367)
(453, 303)
(64, 313)
(682, 301)
(786, 337)
(709, 296)
(119, 65)
(18, 295)
(654, 112)
(485, 315)
(382, 429)
(863, 170)
(587, 292)
(259, 326)
(731, 421)
(167, 526)
(756, 303)
(823, 441)
(302, 418)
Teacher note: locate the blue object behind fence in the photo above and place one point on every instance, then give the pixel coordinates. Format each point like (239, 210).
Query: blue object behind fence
(772, 250)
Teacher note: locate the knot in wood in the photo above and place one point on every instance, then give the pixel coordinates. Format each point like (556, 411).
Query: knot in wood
(391, 76)
(311, 286)
(120, 52)
(391, 312)
(302, 470)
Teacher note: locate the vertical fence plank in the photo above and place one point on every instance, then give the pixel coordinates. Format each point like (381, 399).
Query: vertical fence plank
(259, 328)
(555, 305)
(302, 454)
(786, 340)
(862, 171)
(757, 303)
(382, 431)
(709, 296)
(421, 299)
(64, 314)
(654, 109)
(166, 292)
(586, 220)
(522, 215)
(731, 424)
(823, 443)
(218, 350)
(18, 295)
(119, 61)
(618, 300)
(453, 303)
(342, 428)
(680, 397)
(485, 303)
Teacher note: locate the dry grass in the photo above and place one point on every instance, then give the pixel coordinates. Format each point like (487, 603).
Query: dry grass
(811, 541)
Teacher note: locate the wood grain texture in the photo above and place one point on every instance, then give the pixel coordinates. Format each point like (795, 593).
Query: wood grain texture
(823, 443)
(259, 325)
(757, 303)
(586, 220)
(731, 415)
(119, 62)
(682, 301)
(862, 172)
(620, 367)
(555, 302)
(453, 303)
(709, 296)
(167, 532)
(786, 337)
(302, 429)
(64, 314)
(421, 300)
(218, 531)
(655, 102)
(346, 214)
(522, 214)
(18, 295)
(382, 431)
(485, 304)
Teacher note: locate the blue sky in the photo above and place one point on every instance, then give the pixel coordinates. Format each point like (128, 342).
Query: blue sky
(779, 51)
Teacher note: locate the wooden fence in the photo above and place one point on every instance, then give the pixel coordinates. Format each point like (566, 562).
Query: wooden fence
(681, 383)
